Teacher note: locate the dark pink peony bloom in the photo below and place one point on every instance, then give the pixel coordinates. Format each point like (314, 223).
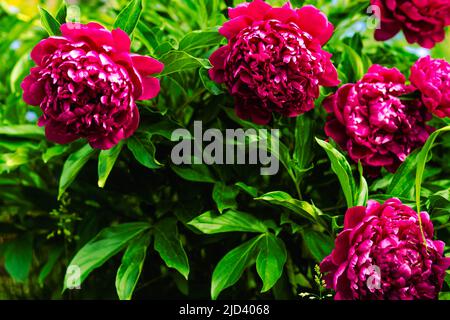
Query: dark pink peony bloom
(422, 22)
(380, 255)
(370, 121)
(274, 60)
(86, 83)
(432, 78)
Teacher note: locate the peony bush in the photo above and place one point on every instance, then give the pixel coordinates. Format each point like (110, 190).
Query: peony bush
(97, 99)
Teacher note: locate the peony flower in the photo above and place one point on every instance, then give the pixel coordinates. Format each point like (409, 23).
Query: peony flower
(380, 254)
(432, 78)
(422, 22)
(274, 60)
(370, 121)
(87, 83)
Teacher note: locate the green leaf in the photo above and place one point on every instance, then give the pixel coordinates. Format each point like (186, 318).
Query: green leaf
(20, 70)
(232, 265)
(131, 267)
(102, 247)
(106, 162)
(168, 244)
(18, 258)
(144, 153)
(280, 198)
(50, 24)
(363, 190)
(319, 244)
(225, 196)
(210, 85)
(23, 131)
(128, 18)
(147, 36)
(304, 129)
(270, 261)
(200, 39)
(195, 173)
(402, 183)
(61, 15)
(177, 61)
(231, 221)
(342, 169)
(252, 191)
(351, 63)
(74, 163)
(54, 152)
(53, 256)
(422, 159)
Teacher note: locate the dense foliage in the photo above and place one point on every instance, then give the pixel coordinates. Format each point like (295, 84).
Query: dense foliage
(137, 225)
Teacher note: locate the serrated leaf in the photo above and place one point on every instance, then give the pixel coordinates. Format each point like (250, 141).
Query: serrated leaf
(270, 261)
(231, 221)
(169, 247)
(131, 267)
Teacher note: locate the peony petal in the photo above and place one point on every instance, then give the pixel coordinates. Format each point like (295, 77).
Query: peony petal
(57, 132)
(232, 27)
(122, 41)
(354, 216)
(146, 66)
(256, 9)
(218, 60)
(151, 88)
(33, 89)
(46, 47)
(315, 22)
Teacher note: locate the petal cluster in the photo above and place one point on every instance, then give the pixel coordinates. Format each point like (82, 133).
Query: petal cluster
(422, 22)
(87, 82)
(371, 121)
(432, 78)
(381, 255)
(274, 62)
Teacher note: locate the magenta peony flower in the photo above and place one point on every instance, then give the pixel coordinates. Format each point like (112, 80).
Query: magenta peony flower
(432, 78)
(422, 22)
(380, 254)
(274, 60)
(370, 121)
(86, 83)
